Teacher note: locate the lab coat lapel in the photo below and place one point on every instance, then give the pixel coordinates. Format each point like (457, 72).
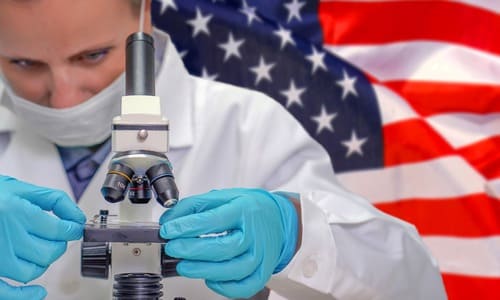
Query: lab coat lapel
(35, 160)
(176, 90)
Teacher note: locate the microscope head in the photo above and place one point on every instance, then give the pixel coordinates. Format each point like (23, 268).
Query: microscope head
(140, 135)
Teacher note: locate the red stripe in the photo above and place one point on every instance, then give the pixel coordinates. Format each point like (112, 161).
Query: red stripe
(467, 216)
(429, 98)
(364, 23)
(412, 141)
(467, 288)
(484, 156)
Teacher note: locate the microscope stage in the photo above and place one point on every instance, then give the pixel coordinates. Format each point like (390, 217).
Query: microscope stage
(123, 233)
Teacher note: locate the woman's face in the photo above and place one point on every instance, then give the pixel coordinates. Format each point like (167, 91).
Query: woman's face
(59, 53)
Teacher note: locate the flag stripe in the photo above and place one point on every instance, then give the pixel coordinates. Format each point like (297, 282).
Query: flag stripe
(445, 177)
(467, 216)
(423, 61)
(459, 287)
(484, 157)
(430, 98)
(415, 141)
(393, 108)
(471, 256)
(493, 6)
(463, 129)
(412, 141)
(346, 22)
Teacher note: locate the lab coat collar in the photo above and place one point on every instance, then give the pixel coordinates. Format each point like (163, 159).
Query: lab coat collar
(8, 121)
(174, 86)
(176, 89)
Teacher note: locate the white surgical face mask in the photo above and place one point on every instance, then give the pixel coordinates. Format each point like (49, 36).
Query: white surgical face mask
(85, 124)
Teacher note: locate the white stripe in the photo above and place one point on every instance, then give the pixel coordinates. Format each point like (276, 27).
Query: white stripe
(423, 60)
(493, 188)
(472, 256)
(491, 5)
(463, 129)
(393, 108)
(445, 177)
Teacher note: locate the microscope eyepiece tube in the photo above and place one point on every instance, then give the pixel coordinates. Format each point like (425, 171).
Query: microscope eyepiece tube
(140, 65)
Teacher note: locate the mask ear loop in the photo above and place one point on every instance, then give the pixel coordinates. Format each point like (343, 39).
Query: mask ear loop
(141, 19)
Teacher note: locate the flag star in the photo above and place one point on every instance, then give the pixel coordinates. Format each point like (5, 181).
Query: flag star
(347, 84)
(285, 36)
(200, 23)
(231, 47)
(354, 145)
(165, 4)
(324, 120)
(250, 12)
(317, 58)
(294, 8)
(204, 74)
(262, 71)
(293, 95)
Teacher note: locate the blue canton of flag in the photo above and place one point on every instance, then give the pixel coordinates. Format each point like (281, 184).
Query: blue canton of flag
(276, 47)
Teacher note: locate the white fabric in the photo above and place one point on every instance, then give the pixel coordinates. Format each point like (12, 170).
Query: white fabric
(221, 137)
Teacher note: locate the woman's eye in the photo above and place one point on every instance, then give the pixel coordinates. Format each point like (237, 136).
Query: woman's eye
(25, 63)
(95, 57)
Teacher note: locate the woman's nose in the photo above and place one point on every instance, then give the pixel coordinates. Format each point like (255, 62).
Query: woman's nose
(66, 90)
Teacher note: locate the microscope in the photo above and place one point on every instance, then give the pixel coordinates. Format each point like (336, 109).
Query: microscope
(138, 171)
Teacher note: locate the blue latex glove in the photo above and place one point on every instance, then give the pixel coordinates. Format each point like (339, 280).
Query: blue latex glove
(30, 238)
(261, 238)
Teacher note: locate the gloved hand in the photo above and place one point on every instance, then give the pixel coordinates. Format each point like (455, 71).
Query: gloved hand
(30, 238)
(261, 235)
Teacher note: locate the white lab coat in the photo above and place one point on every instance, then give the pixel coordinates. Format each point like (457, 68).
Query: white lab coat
(221, 137)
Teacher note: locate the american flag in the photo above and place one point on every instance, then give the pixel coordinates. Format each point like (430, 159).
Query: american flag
(404, 95)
